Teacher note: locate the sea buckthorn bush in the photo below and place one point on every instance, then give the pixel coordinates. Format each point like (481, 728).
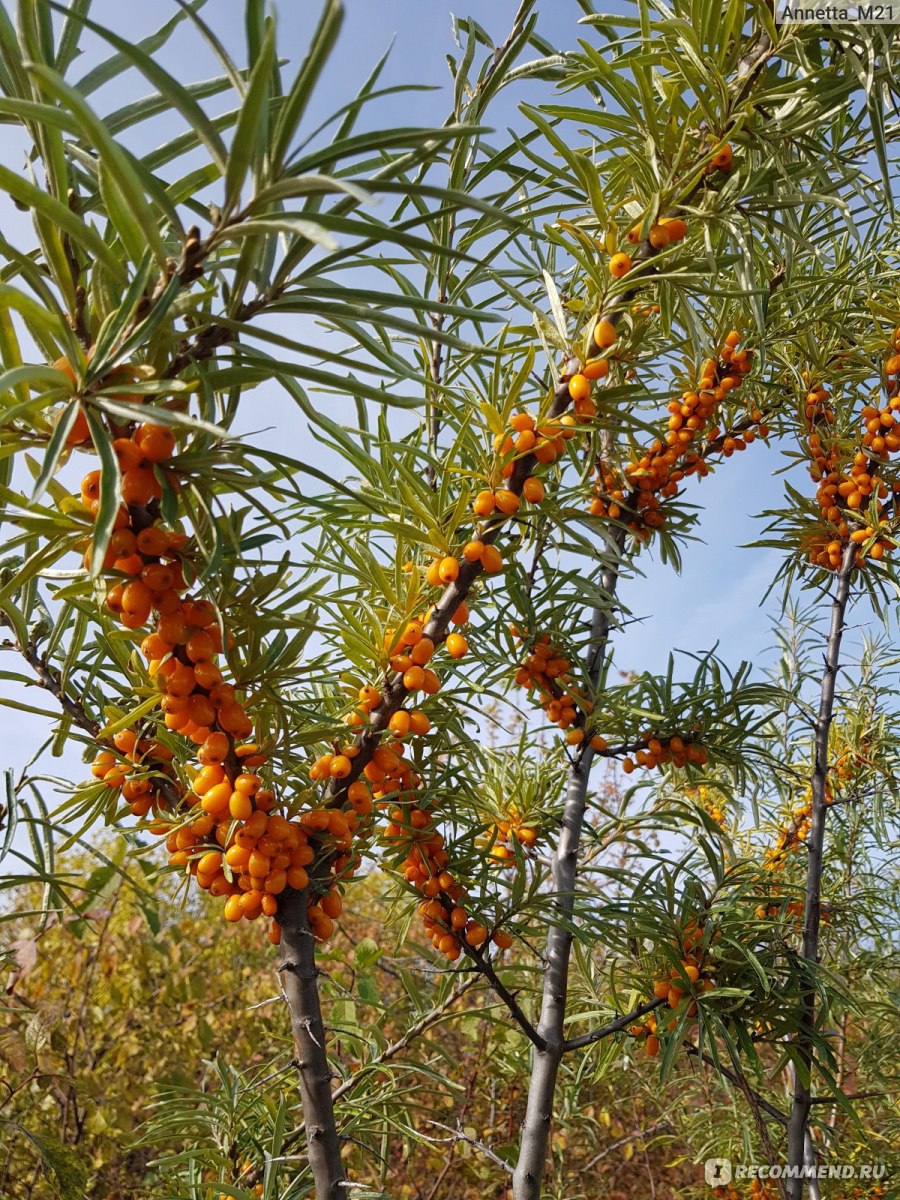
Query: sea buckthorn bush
(349, 618)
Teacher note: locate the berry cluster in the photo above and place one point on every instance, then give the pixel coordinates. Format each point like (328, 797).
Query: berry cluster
(667, 231)
(545, 443)
(387, 779)
(659, 752)
(222, 830)
(710, 801)
(646, 482)
(693, 977)
(846, 481)
(545, 670)
(793, 832)
(510, 829)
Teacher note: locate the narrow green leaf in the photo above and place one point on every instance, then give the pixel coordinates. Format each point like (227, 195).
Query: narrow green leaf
(250, 141)
(110, 491)
(300, 227)
(294, 104)
(127, 179)
(56, 447)
(60, 215)
(178, 96)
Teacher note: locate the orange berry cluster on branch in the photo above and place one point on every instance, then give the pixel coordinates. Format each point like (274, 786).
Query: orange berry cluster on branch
(387, 780)
(233, 844)
(546, 671)
(446, 919)
(667, 231)
(758, 1190)
(411, 651)
(546, 443)
(695, 977)
(846, 481)
(661, 751)
(709, 802)
(649, 1029)
(258, 858)
(648, 481)
(793, 832)
(673, 989)
(504, 832)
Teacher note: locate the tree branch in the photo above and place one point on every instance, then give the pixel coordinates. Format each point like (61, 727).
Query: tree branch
(539, 1110)
(615, 1026)
(739, 1081)
(51, 681)
(623, 1141)
(457, 1135)
(486, 968)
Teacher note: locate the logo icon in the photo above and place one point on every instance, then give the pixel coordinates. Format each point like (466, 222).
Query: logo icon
(717, 1171)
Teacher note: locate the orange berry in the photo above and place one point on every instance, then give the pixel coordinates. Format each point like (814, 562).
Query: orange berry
(422, 650)
(579, 387)
(597, 369)
(140, 486)
(448, 569)
(605, 334)
(340, 766)
(240, 806)
(483, 504)
(400, 723)
(722, 159)
(676, 227)
(156, 442)
(432, 575)
(472, 551)
(533, 490)
(90, 487)
(457, 646)
(476, 935)
(492, 560)
(413, 679)
(507, 501)
(419, 722)
(619, 265)
(430, 682)
(658, 237)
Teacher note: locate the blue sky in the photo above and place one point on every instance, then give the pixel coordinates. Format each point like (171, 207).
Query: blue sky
(717, 596)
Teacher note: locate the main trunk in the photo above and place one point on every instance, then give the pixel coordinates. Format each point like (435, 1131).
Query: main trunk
(799, 1141)
(300, 983)
(539, 1109)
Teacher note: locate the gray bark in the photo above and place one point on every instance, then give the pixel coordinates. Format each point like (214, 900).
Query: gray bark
(300, 982)
(539, 1110)
(798, 1124)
